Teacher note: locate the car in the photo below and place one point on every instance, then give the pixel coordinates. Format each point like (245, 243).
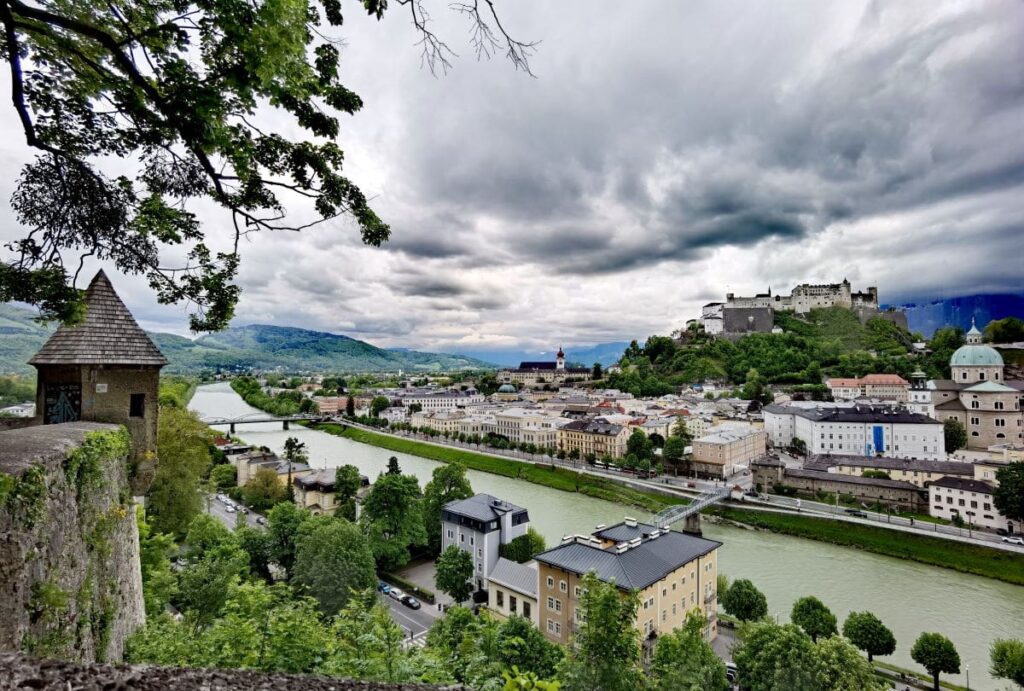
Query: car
(229, 508)
(856, 512)
(1002, 531)
(731, 672)
(242, 509)
(1014, 540)
(410, 602)
(395, 594)
(262, 520)
(383, 587)
(751, 493)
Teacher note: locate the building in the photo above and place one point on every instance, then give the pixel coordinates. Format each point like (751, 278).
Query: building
(885, 387)
(316, 491)
(898, 494)
(512, 590)
(480, 525)
(594, 436)
(25, 410)
(442, 400)
(978, 396)
(857, 430)
(104, 369)
(542, 372)
(671, 573)
(917, 472)
(527, 426)
(248, 463)
(970, 500)
(725, 450)
(331, 405)
(806, 297)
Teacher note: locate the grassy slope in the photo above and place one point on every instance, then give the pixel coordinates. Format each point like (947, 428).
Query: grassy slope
(981, 561)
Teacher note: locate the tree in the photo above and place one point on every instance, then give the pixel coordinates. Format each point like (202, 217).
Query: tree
(523, 548)
(867, 632)
(770, 657)
(347, 481)
(521, 645)
(605, 652)
(183, 447)
(184, 91)
(798, 446)
(224, 476)
(454, 573)
(1007, 656)
(639, 445)
(378, 405)
(756, 388)
(1008, 495)
(263, 490)
(1008, 330)
(937, 654)
(350, 406)
(259, 545)
(684, 660)
(393, 467)
(332, 559)
(955, 434)
(744, 601)
(294, 452)
(448, 483)
(674, 452)
(811, 615)
(284, 522)
(392, 517)
(597, 373)
(841, 667)
(208, 580)
(159, 582)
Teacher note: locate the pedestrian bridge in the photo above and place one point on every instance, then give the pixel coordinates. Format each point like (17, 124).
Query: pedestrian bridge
(691, 512)
(258, 418)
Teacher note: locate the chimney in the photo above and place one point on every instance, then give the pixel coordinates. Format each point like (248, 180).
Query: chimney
(629, 521)
(599, 526)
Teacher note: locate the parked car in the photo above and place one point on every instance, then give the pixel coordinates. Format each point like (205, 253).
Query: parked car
(395, 594)
(229, 508)
(856, 512)
(1014, 540)
(383, 587)
(243, 509)
(731, 672)
(262, 520)
(410, 602)
(1002, 531)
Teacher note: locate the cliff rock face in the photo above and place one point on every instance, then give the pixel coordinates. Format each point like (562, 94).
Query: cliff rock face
(70, 578)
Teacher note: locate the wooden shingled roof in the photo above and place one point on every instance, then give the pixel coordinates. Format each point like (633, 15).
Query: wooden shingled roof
(109, 334)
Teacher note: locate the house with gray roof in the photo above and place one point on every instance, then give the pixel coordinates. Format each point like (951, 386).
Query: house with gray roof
(512, 589)
(480, 525)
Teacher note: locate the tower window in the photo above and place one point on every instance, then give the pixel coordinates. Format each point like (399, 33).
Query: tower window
(137, 405)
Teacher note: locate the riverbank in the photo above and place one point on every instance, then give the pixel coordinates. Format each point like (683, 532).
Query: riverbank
(549, 476)
(977, 560)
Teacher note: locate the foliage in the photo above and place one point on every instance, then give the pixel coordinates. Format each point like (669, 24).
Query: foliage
(332, 559)
(841, 667)
(811, 615)
(674, 451)
(1008, 495)
(867, 632)
(224, 476)
(777, 658)
(84, 466)
(955, 434)
(282, 404)
(605, 652)
(183, 448)
(455, 573)
(264, 490)
(937, 654)
(876, 474)
(1007, 656)
(393, 467)
(16, 389)
(744, 601)
(176, 392)
(684, 661)
(284, 523)
(378, 405)
(214, 568)
(392, 517)
(1008, 330)
(26, 496)
(639, 444)
(521, 646)
(159, 582)
(258, 545)
(347, 481)
(523, 548)
(448, 483)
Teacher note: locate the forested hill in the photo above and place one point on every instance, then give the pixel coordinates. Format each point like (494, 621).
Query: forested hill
(828, 342)
(243, 347)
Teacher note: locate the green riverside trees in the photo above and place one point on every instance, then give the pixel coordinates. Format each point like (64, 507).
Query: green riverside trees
(1007, 656)
(744, 601)
(937, 654)
(867, 632)
(811, 615)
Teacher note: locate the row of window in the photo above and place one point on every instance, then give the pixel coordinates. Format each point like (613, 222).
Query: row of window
(513, 603)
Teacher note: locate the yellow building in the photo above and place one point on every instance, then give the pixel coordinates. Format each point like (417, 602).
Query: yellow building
(723, 451)
(918, 472)
(596, 436)
(672, 573)
(316, 492)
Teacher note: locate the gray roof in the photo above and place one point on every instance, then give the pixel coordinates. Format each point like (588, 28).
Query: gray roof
(521, 578)
(851, 479)
(856, 413)
(620, 532)
(596, 426)
(108, 335)
(964, 484)
(885, 463)
(482, 507)
(637, 567)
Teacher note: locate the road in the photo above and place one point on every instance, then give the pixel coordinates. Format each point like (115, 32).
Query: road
(413, 621)
(218, 510)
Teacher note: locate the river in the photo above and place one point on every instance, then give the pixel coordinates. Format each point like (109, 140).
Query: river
(909, 597)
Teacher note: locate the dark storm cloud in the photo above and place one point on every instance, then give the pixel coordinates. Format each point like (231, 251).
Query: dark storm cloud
(421, 285)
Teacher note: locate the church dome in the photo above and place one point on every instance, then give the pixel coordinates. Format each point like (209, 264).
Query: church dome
(976, 356)
(506, 388)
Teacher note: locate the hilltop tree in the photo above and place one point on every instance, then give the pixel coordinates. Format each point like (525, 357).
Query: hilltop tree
(183, 90)
(455, 573)
(955, 434)
(867, 632)
(1008, 330)
(1007, 656)
(744, 601)
(811, 615)
(448, 483)
(937, 654)
(332, 559)
(1009, 493)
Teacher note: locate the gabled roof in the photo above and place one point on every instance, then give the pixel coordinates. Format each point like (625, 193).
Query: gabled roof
(519, 577)
(482, 507)
(109, 335)
(990, 387)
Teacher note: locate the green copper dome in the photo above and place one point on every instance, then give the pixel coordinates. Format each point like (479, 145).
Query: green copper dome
(976, 356)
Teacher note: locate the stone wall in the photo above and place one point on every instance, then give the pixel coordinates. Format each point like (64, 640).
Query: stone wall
(70, 578)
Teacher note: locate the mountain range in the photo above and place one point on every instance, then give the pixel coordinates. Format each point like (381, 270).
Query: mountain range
(586, 356)
(242, 347)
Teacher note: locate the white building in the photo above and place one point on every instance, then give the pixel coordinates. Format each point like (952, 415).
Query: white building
(480, 525)
(971, 500)
(857, 430)
(526, 426)
(446, 400)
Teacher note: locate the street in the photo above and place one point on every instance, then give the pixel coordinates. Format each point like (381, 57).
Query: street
(219, 510)
(414, 621)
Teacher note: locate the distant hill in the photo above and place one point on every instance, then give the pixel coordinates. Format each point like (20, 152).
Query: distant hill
(243, 347)
(929, 317)
(605, 353)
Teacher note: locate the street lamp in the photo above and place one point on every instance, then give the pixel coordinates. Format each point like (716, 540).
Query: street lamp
(970, 520)
(967, 668)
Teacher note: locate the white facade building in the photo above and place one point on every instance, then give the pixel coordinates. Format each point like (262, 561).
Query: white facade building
(971, 500)
(447, 400)
(480, 525)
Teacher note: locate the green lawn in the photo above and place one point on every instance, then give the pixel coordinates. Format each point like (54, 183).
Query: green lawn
(554, 477)
(974, 559)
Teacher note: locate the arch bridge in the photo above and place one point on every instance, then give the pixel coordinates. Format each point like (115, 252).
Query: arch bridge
(260, 418)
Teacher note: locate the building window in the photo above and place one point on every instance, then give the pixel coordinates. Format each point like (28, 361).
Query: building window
(479, 552)
(576, 591)
(551, 582)
(462, 538)
(137, 405)
(526, 608)
(500, 598)
(450, 533)
(563, 586)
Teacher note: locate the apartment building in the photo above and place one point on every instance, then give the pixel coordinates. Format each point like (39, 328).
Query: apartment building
(480, 525)
(916, 471)
(512, 590)
(884, 387)
(671, 573)
(726, 450)
(527, 426)
(971, 500)
(595, 436)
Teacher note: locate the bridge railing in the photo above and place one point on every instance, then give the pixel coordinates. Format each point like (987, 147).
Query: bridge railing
(705, 499)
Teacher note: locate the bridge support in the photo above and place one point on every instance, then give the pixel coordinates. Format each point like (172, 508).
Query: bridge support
(286, 425)
(691, 524)
(232, 428)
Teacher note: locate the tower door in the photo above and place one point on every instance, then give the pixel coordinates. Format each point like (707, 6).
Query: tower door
(62, 403)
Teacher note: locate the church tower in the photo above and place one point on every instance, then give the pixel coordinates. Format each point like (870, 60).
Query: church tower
(560, 360)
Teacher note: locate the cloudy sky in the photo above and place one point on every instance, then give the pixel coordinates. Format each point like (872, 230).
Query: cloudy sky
(666, 153)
